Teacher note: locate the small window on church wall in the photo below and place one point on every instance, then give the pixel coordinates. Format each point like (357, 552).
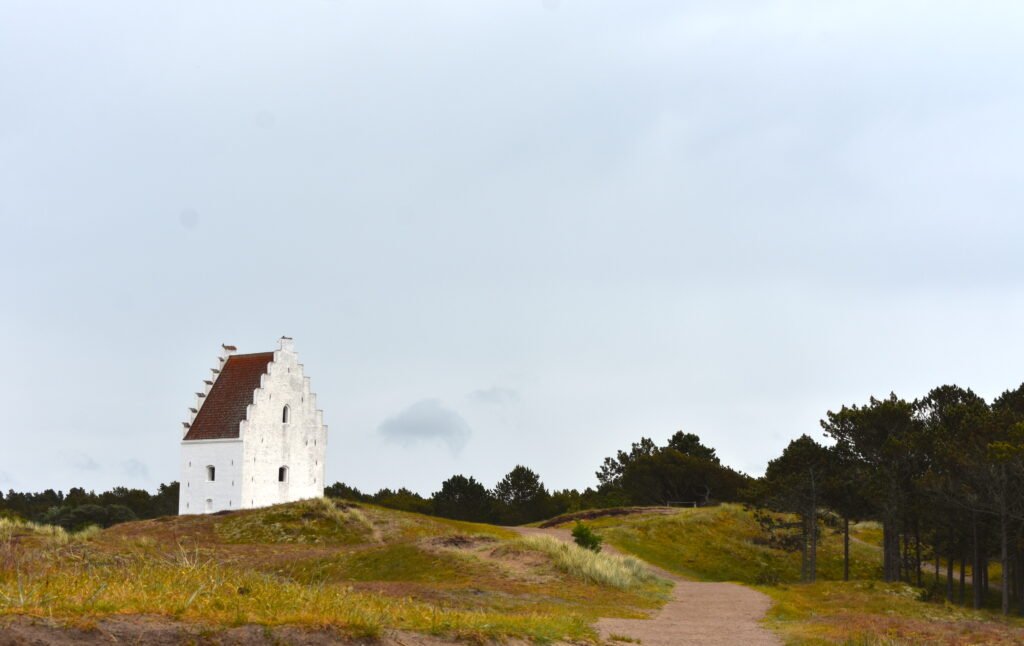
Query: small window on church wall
(209, 505)
(211, 473)
(282, 474)
(285, 414)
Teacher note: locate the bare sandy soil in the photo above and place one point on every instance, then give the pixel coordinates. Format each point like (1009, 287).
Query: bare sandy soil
(159, 631)
(711, 614)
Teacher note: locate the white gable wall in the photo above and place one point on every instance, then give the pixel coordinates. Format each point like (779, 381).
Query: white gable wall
(269, 443)
(247, 467)
(225, 491)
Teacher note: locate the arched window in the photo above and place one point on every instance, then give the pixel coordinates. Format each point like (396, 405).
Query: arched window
(285, 414)
(282, 474)
(211, 473)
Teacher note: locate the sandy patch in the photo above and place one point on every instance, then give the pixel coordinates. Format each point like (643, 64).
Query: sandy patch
(698, 613)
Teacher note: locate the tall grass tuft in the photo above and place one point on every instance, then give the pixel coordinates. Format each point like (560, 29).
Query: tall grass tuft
(316, 520)
(622, 572)
(54, 534)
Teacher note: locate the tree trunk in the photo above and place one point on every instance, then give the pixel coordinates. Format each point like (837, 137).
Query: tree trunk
(814, 549)
(977, 573)
(890, 551)
(984, 577)
(803, 551)
(1019, 574)
(963, 585)
(1015, 578)
(814, 529)
(949, 576)
(905, 560)
(1004, 553)
(917, 554)
(846, 548)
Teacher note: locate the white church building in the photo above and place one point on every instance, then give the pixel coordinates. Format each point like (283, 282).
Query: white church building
(254, 437)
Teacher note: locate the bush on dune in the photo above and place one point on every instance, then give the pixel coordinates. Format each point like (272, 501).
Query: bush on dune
(623, 572)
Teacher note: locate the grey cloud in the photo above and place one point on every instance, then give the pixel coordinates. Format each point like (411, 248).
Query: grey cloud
(81, 461)
(134, 469)
(427, 421)
(494, 395)
(189, 218)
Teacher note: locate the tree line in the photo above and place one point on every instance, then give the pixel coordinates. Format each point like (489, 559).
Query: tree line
(683, 470)
(78, 508)
(943, 474)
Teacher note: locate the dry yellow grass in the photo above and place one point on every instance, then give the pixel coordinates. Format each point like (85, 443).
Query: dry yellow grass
(360, 569)
(51, 534)
(620, 572)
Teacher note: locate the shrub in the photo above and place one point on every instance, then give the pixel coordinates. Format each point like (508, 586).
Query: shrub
(767, 575)
(623, 572)
(585, 537)
(315, 520)
(50, 533)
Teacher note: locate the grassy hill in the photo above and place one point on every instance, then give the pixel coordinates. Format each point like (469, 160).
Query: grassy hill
(365, 571)
(358, 569)
(727, 544)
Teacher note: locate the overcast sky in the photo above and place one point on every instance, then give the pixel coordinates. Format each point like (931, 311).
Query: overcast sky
(500, 232)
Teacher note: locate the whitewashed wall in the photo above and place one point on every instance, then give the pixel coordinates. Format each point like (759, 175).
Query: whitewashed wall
(270, 443)
(225, 492)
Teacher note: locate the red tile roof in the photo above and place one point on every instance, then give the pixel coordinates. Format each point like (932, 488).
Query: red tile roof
(226, 402)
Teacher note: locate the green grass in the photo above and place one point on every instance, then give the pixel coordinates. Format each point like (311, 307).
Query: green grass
(319, 520)
(399, 562)
(873, 612)
(326, 521)
(726, 544)
(356, 568)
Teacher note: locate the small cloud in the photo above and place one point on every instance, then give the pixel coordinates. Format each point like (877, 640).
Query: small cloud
(81, 461)
(134, 469)
(265, 119)
(188, 218)
(495, 395)
(427, 421)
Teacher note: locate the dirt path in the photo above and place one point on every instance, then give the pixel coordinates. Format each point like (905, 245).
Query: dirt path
(697, 612)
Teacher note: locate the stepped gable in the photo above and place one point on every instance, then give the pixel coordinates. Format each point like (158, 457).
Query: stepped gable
(224, 407)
